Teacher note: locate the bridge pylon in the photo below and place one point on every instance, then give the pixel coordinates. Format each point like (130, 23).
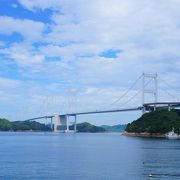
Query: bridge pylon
(147, 89)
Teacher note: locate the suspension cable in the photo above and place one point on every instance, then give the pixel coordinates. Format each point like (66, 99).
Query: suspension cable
(124, 94)
(165, 90)
(174, 97)
(167, 84)
(134, 95)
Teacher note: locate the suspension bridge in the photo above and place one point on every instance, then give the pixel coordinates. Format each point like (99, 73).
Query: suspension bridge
(61, 122)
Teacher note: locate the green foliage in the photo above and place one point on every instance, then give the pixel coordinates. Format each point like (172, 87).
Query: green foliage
(87, 127)
(161, 121)
(5, 125)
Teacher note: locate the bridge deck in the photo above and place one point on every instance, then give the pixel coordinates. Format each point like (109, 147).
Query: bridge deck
(105, 111)
(146, 105)
(162, 103)
(90, 112)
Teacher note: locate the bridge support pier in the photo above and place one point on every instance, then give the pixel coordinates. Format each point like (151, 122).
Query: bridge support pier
(51, 124)
(75, 128)
(169, 107)
(56, 123)
(71, 123)
(67, 123)
(62, 123)
(154, 107)
(143, 110)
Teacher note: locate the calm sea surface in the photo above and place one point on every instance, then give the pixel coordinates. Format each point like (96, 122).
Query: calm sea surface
(87, 157)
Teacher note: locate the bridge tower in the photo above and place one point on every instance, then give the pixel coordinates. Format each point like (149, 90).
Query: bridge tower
(147, 89)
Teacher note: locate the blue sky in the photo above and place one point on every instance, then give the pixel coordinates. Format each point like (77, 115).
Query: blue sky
(60, 56)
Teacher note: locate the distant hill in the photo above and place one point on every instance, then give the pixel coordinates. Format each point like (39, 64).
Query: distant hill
(160, 121)
(87, 127)
(29, 125)
(6, 125)
(115, 128)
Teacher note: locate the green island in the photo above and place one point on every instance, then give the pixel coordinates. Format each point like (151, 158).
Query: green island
(6, 125)
(155, 124)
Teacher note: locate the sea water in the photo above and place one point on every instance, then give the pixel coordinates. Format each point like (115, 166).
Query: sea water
(87, 156)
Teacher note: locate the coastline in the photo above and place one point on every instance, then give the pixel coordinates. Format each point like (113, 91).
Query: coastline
(144, 134)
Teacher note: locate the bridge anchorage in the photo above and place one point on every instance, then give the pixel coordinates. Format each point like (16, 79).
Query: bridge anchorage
(64, 123)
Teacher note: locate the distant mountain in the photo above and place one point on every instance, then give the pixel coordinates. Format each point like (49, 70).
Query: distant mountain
(115, 128)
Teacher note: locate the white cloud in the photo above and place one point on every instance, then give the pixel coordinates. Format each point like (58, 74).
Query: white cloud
(24, 54)
(29, 29)
(7, 83)
(2, 44)
(143, 29)
(40, 4)
(147, 32)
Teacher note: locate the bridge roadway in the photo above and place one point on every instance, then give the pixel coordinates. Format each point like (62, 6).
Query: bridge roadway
(90, 112)
(146, 106)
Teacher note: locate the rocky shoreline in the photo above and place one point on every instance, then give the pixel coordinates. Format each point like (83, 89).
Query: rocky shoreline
(144, 134)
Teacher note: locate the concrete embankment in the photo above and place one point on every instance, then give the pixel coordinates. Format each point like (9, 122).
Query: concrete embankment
(144, 134)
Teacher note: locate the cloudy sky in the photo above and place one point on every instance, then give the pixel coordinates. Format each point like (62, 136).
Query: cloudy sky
(61, 56)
